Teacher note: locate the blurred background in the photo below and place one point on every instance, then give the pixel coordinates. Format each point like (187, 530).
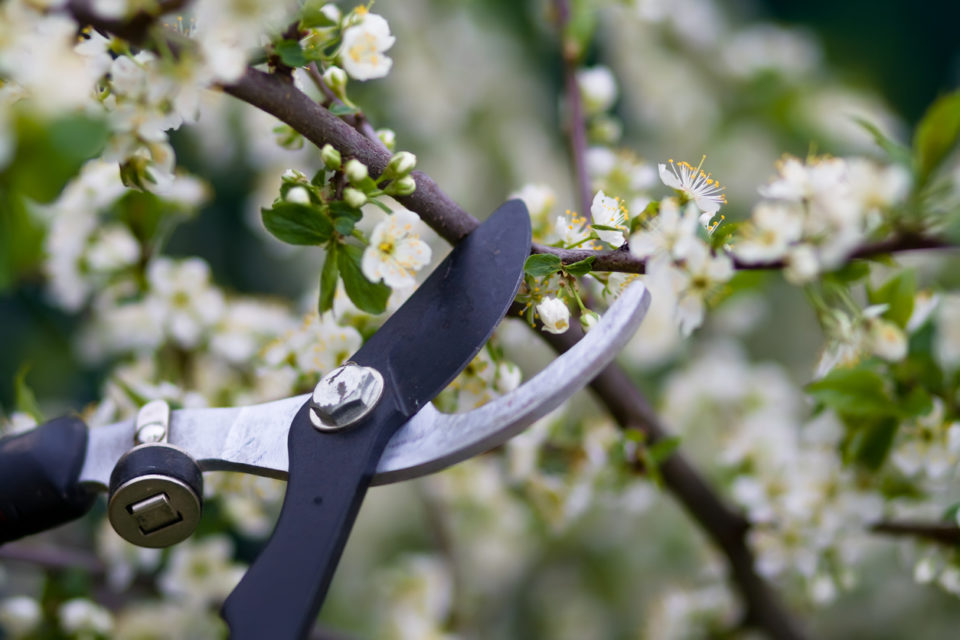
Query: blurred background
(475, 93)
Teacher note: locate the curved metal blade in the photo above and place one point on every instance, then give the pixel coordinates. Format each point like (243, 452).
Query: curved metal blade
(431, 440)
(253, 439)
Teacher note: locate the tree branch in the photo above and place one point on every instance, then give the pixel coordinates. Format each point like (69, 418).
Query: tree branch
(937, 532)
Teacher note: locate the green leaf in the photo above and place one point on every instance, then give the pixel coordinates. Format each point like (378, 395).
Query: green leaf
(368, 296)
(849, 273)
(936, 135)
(604, 227)
(580, 28)
(918, 402)
(50, 153)
(853, 392)
(24, 398)
(21, 240)
(296, 223)
(661, 449)
(291, 53)
(580, 268)
(870, 444)
(342, 110)
(328, 278)
(899, 293)
(894, 150)
(345, 217)
(541, 265)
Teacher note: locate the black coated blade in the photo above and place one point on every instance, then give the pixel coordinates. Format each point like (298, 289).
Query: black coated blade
(419, 350)
(443, 325)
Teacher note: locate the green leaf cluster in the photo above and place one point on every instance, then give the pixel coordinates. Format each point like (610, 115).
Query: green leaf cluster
(330, 224)
(544, 265)
(871, 403)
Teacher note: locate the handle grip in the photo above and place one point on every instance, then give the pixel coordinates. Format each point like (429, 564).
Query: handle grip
(283, 589)
(39, 470)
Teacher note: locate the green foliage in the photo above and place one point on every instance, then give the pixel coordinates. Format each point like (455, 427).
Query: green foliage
(50, 153)
(328, 278)
(855, 392)
(848, 274)
(296, 223)
(580, 268)
(541, 265)
(868, 443)
(898, 293)
(24, 398)
(345, 217)
(291, 54)
(580, 28)
(21, 239)
(47, 155)
(894, 150)
(368, 296)
(872, 407)
(343, 110)
(937, 135)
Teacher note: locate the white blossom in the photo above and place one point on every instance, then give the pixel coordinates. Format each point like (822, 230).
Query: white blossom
(364, 44)
(775, 227)
(670, 235)
(609, 212)
(395, 251)
(695, 184)
(81, 617)
(188, 305)
(19, 615)
(554, 315)
(201, 571)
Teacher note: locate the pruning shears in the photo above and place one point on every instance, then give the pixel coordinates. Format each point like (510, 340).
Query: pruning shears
(366, 423)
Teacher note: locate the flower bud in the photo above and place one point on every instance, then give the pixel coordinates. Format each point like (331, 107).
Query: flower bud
(331, 12)
(401, 164)
(356, 171)
(588, 320)
(403, 187)
(298, 195)
(354, 197)
(331, 157)
(292, 175)
(388, 138)
(336, 79)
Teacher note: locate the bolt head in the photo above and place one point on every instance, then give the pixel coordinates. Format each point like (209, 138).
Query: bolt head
(344, 396)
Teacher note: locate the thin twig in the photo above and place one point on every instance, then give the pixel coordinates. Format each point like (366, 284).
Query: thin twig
(576, 121)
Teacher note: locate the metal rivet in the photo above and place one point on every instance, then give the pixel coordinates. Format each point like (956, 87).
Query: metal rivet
(344, 396)
(153, 420)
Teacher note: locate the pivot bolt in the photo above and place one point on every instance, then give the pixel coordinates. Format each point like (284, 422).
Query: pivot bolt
(344, 396)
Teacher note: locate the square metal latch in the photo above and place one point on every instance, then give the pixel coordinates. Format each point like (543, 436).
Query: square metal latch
(154, 513)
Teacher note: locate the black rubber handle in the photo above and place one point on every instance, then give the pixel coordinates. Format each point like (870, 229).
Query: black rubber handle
(281, 593)
(38, 478)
